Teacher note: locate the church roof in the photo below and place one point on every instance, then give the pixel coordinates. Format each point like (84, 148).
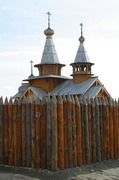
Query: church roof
(38, 91)
(49, 55)
(93, 91)
(81, 55)
(68, 87)
(47, 76)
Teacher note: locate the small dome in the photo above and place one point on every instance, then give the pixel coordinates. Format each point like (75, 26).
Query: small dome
(49, 32)
(81, 39)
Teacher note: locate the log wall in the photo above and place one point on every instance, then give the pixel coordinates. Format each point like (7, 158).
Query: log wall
(58, 132)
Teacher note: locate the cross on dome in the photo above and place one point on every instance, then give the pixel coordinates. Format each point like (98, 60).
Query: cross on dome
(49, 14)
(31, 62)
(81, 29)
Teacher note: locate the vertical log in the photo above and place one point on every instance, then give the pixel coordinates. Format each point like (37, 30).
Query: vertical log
(6, 132)
(33, 132)
(20, 133)
(74, 147)
(118, 127)
(105, 129)
(78, 132)
(98, 141)
(15, 130)
(24, 132)
(38, 132)
(43, 135)
(48, 132)
(54, 135)
(115, 128)
(90, 125)
(60, 121)
(82, 130)
(111, 136)
(28, 133)
(107, 110)
(11, 135)
(1, 131)
(101, 126)
(69, 131)
(93, 131)
(65, 132)
(86, 133)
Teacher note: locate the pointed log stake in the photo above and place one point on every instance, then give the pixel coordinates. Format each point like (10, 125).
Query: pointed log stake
(69, 131)
(117, 117)
(74, 147)
(86, 132)
(111, 133)
(101, 125)
(15, 130)
(118, 128)
(33, 133)
(6, 132)
(20, 132)
(105, 129)
(24, 132)
(1, 131)
(60, 121)
(11, 135)
(82, 129)
(115, 129)
(65, 132)
(54, 136)
(93, 130)
(98, 147)
(78, 132)
(90, 125)
(38, 131)
(48, 132)
(28, 133)
(43, 135)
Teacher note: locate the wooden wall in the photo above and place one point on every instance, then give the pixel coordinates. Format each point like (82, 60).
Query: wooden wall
(58, 133)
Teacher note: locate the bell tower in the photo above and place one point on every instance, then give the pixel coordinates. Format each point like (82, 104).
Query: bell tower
(82, 65)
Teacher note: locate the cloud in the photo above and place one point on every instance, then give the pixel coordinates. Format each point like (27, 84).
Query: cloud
(5, 8)
(19, 52)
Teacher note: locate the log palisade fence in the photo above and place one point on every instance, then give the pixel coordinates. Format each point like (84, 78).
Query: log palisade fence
(58, 132)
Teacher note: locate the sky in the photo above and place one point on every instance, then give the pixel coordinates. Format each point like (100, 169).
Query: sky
(22, 23)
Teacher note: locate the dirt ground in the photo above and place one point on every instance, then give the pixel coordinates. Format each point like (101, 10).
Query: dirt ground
(106, 170)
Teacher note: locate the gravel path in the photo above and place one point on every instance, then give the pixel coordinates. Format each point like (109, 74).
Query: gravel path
(106, 170)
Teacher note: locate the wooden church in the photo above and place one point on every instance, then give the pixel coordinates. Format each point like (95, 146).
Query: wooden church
(50, 81)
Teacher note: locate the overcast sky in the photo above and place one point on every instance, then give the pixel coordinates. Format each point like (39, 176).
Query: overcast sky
(22, 23)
